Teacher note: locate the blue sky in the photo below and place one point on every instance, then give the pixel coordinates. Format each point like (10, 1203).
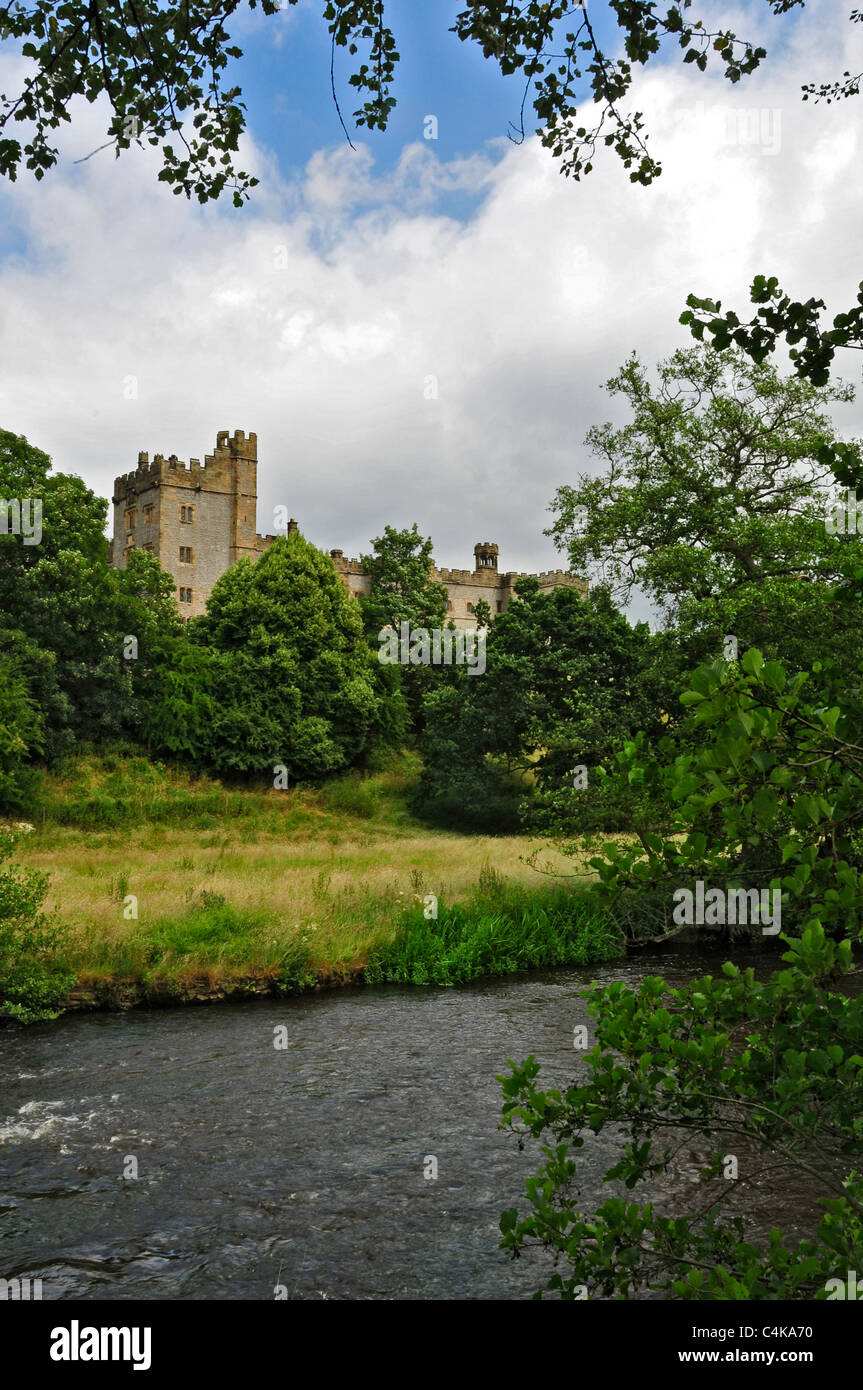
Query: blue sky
(286, 72)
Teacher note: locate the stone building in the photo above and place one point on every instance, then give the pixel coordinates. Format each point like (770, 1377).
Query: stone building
(466, 587)
(199, 518)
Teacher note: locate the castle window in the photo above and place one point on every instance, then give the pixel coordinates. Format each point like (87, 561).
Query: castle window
(470, 608)
(185, 595)
(148, 514)
(185, 555)
(449, 605)
(187, 515)
(500, 605)
(130, 518)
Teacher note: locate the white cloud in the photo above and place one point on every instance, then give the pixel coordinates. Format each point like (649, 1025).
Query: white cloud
(317, 316)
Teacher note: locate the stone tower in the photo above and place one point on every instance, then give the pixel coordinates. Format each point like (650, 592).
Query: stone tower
(485, 556)
(198, 519)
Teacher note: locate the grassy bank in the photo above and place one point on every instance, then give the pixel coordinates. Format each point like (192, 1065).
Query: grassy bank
(287, 890)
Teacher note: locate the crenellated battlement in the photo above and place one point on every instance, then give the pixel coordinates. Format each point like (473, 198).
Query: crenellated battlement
(216, 473)
(561, 577)
(351, 566)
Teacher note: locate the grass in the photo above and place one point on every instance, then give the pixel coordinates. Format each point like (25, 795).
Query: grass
(504, 938)
(290, 888)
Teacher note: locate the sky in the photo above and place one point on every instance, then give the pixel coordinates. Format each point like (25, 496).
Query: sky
(416, 329)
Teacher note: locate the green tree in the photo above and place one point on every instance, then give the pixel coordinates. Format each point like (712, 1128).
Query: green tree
(482, 614)
(68, 615)
(767, 1076)
(714, 484)
(562, 683)
(714, 502)
(761, 784)
(33, 974)
(21, 738)
(402, 591)
(771, 1071)
(291, 680)
(401, 586)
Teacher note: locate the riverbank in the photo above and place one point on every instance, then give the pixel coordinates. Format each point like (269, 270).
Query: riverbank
(167, 889)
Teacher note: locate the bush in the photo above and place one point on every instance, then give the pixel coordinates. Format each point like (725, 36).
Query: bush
(33, 976)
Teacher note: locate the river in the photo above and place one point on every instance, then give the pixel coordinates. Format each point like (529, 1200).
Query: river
(301, 1166)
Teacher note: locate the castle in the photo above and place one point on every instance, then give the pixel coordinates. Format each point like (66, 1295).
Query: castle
(198, 519)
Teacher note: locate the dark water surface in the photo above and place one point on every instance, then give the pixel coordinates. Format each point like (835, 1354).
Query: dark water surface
(303, 1166)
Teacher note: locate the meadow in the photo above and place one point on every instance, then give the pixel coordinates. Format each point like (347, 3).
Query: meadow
(176, 884)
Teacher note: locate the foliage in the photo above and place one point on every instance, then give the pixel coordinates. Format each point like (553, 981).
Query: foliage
(66, 613)
(563, 681)
(289, 678)
(401, 588)
(767, 1074)
(501, 936)
(760, 779)
(715, 494)
(770, 796)
(20, 736)
(33, 977)
(162, 69)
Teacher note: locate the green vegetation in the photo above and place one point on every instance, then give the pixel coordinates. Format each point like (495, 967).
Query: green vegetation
(757, 1079)
(33, 977)
(238, 889)
(488, 937)
(755, 784)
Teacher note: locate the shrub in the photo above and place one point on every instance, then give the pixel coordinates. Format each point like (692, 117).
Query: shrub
(33, 976)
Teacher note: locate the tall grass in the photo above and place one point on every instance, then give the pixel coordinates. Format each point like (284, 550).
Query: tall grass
(117, 787)
(468, 941)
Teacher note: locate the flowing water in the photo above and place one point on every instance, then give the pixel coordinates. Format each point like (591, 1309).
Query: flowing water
(302, 1166)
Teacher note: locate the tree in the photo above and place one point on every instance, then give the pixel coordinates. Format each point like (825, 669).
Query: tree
(402, 590)
(291, 679)
(60, 593)
(761, 781)
(33, 974)
(563, 682)
(770, 1072)
(714, 484)
(401, 586)
(162, 68)
(715, 501)
(757, 1078)
(482, 614)
(21, 738)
